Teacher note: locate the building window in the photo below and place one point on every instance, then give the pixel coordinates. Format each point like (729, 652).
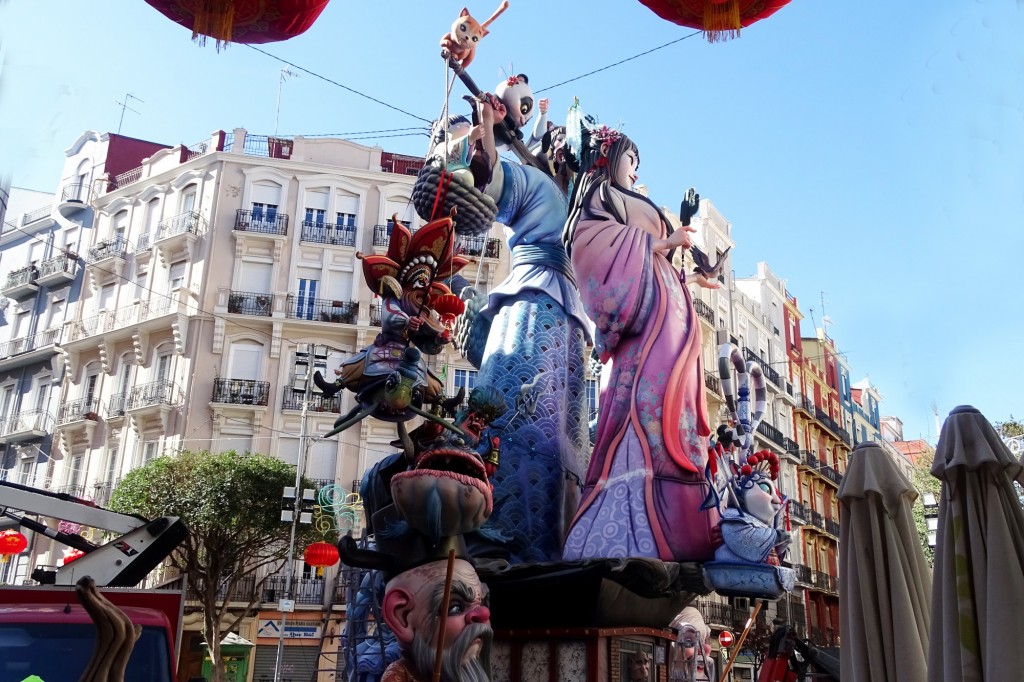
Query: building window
(263, 212)
(346, 220)
(177, 275)
(26, 471)
(465, 377)
(315, 216)
(147, 451)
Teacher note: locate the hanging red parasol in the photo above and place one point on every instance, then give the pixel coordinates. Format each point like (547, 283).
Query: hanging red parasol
(242, 21)
(719, 19)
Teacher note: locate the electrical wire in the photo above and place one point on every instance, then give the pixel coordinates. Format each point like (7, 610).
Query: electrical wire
(621, 61)
(340, 85)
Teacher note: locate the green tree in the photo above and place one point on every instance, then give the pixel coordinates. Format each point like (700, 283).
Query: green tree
(924, 483)
(230, 503)
(1012, 431)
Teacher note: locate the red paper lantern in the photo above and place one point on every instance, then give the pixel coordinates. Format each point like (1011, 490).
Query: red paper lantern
(449, 306)
(321, 554)
(242, 21)
(719, 19)
(11, 542)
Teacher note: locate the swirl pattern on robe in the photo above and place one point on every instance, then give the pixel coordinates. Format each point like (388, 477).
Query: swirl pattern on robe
(537, 332)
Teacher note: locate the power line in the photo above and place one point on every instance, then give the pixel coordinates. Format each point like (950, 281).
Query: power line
(340, 85)
(359, 132)
(621, 61)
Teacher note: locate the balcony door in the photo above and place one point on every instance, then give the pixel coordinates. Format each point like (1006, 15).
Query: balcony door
(188, 201)
(306, 298)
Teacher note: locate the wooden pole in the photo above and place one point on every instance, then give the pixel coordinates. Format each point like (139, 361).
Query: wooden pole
(443, 615)
(739, 642)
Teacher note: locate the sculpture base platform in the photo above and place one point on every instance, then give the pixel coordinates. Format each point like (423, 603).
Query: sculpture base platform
(757, 581)
(604, 593)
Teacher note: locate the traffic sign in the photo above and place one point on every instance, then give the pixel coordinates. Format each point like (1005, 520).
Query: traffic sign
(725, 639)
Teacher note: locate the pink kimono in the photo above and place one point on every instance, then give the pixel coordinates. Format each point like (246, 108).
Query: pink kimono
(645, 482)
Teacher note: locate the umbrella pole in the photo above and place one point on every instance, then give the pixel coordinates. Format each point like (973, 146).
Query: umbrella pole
(743, 636)
(442, 617)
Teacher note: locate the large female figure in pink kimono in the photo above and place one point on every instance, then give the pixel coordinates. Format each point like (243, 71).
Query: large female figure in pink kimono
(645, 482)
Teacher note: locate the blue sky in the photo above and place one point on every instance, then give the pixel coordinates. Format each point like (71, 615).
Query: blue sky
(870, 150)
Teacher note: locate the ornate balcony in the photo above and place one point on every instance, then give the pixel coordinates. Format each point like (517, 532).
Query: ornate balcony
(105, 261)
(704, 311)
(816, 519)
(713, 383)
(25, 426)
(241, 392)
(479, 247)
(321, 310)
(381, 235)
(76, 421)
(803, 574)
(771, 433)
(797, 512)
(21, 283)
(249, 303)
(831, 475)
(58, 271)
(116, 406)
(766, 367)
(326, 233)
(28, 350)
(375, 314)
(154, 401)
(272, 224)
(84, 409)
(308, 591)
(73, 198)
(317, 402)
(178, 235)
(832, 527)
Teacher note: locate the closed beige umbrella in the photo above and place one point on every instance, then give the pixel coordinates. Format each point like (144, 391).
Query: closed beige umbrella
(978, 592)
(884, 580)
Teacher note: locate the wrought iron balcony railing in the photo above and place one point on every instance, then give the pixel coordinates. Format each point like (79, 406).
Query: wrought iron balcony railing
(381, 235)
(117, 404)
(326, 233)
(803, 574)
(317, 402)
(272, 223)
(791, 446)
(304, 590)
(832, 475)
(116, 247)
(704, 311)
(154, 393)
(189, 222)
(832, 527)
(59, 264)
(797, 509)
(766, 367)
(241, 392)
(26, 421)
(77, 410)
(375, 314)
(816, 519)
(712, 383)
(250, 303)
(37, 214)
(24, 344)
(322, 309)
(21, 276)
(75, 192)
(771, 433)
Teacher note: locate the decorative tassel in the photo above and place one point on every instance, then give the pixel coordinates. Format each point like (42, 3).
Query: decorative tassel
(721, 20)
(214, 19)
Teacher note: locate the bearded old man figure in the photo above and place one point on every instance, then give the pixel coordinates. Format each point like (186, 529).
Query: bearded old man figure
(412, 604)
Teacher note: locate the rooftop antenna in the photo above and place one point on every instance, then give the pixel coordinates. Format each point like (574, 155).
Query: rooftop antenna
(935, 414)
(124, 105)
(285, 73)
(825, 319)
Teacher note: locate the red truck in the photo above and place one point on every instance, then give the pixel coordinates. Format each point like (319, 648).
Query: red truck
(45, 632)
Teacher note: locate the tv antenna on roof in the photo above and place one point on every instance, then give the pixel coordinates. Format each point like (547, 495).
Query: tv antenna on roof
(124, 105)
(285, 73)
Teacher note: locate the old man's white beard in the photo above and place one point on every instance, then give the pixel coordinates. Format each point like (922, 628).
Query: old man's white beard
(452, 667)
